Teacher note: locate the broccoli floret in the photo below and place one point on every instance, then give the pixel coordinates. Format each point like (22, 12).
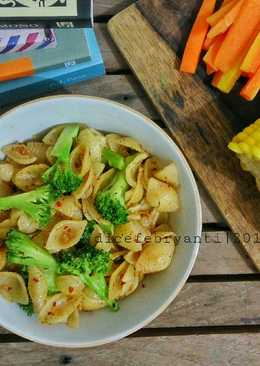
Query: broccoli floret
(38, 204)
(91, 265)
(61, 175)
(28, 309)
(113, 159)
(110, 202)
(23, 251)
(88, 232)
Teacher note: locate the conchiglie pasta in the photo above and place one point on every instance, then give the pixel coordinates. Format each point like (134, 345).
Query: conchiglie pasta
(65, 234)
(156, 256)
(69, 207)
(26, 224)
(6, 172)
(169, 174)
(5, 189)
(37, 287)
(52, 136)
(130, 280)
(151, 166)
(29, 178)
(121, 144)
(19, 153)
(137, 193)
(132, 169)
(131, 235)
(12, 288)
(115, 282)
(162, 196)
(58, 308)
(80, 160)
(69, 285)
(103, 181)
(5, 227)
(85, 189)
(73, 320)
(2, 257)
(94, 140)
(91, 301)
(38, 150)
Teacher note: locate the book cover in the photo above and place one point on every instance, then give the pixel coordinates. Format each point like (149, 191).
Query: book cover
(21, 40)
(46, 13)
(15, 91)
(71, 48)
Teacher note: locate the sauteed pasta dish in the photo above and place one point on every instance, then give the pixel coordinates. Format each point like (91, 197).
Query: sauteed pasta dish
(83, 218)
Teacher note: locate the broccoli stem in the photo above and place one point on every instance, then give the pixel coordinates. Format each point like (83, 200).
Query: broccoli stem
(64, 143)
(113, 159)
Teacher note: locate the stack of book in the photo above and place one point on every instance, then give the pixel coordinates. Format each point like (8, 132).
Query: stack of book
(45, 45)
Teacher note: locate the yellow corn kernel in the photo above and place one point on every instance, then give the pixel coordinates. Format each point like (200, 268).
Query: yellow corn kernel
(233, 146)
(250, 141)
(245, 148)
(241, 136)
(256, 135)
(250, 129)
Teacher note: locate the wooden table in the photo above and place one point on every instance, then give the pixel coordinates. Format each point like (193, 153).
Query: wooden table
(215, 321)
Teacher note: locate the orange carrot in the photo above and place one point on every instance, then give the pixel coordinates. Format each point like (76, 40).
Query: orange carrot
(239, 35)
(221, 12)
(210, 56)
(252, 59)
(197, 36)
(228, 19)
(207, 43)
(252, 87)
(209, 70)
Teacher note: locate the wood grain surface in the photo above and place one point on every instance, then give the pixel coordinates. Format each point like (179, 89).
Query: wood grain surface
(200, 123)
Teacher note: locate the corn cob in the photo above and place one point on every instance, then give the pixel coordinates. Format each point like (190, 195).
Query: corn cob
(246, 145)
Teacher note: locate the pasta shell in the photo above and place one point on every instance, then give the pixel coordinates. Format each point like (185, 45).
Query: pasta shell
(42, 236)
(123, 143)
(169, 174)
(162, 196)
(132, 169)
(130, 281)
(19, 153)
(12, 288)
(52, 135)
(58, 308)
(150, 218)
(131, 235)
(94, 140)
(5, 227)
(115, 282)
(86, 187)
(91, 301)
(5, 189)
(91, 213)
(155, 257)
(69, 285)
(151, 165)
(73, 320)
(6, 172)
(51, 159)
(38, 288)
(97, 168)
(65, 234)
(39, 150)
(69, 207)
(138, 191)
(131, 257)
(103, 181)
(26, 224)
(80, 160)
(2, 257)
(112, 141)
(29, 178)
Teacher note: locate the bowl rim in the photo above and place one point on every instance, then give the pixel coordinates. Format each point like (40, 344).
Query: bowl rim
(198, 226)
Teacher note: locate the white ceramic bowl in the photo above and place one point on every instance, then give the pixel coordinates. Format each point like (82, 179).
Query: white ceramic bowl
(160, 289)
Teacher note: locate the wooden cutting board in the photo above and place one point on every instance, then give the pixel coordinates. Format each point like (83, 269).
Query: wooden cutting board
(151, 35)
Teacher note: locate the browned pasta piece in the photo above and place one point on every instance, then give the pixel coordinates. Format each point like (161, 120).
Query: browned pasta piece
(39, 150)
(12, 288)
(2, 256)
(156, 256)
(27, 224)
(162, 196)
(131, 235)
(37, 287)
(169, 174)
(19, 153)
(103, 181)
(69, 207)
(65, 234)
(5, 189)
(80, 160)
(115, 282)
(94, 140)
(131, 257)
(151, 165)
(132, 168)
(6, 172)
(69, 285)
(73, 320)
(130, 280)
(138, 192)
(29, 178)
(91, 301)
(86, 188)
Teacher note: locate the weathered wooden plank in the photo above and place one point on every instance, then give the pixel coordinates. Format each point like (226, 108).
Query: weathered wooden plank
(188, 350)
(112, 57)
(220, 254)
(110, 7)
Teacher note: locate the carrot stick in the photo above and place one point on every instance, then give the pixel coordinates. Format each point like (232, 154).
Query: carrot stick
(239, 35)
(210, 56)
(207, 43)
(252, 87)
(209, 70)
(223, 24)
(221, 12)
(197, 36)
(252, 59)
